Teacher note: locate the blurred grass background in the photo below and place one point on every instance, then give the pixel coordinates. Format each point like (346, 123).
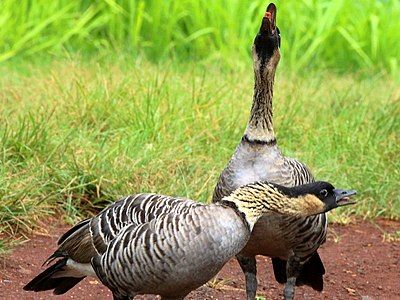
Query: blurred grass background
(339, 34)
(104, 98)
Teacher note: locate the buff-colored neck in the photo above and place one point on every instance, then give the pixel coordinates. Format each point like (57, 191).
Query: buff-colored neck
(259, 199)
(260, 126)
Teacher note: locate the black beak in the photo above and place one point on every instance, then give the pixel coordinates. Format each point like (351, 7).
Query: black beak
(342, 196)
(268, 24)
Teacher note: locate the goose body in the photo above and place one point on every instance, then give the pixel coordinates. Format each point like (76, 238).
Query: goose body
(154, 244)
(274, 236)
(148, 244)
(167, 259)
(253, 162)
(290, 241)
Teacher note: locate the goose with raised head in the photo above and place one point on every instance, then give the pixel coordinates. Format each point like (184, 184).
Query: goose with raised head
(291, 242)
(153, 244)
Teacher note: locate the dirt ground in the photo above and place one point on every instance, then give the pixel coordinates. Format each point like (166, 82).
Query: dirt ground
(360, 260)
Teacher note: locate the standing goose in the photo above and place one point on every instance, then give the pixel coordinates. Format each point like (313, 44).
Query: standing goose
(153, 244)
(291, 242)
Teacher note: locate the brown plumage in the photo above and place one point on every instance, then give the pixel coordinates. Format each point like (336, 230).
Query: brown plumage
(291, 242)
(154, 244)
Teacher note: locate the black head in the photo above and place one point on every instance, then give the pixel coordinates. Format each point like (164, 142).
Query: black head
(268, 39)
(326, 192)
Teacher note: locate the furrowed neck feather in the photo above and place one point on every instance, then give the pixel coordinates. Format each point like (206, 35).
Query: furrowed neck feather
(258, 199)
(260, 126)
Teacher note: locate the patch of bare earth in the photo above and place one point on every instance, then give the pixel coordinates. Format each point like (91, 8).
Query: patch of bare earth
(359, 264)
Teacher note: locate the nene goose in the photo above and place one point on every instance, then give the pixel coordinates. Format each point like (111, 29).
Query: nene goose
(290, 241)
(153, 244)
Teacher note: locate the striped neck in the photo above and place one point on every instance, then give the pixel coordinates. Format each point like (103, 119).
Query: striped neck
(260, 126)
(261, 198)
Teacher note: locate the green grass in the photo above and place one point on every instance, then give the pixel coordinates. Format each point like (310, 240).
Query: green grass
(76, 134)
(339, 34)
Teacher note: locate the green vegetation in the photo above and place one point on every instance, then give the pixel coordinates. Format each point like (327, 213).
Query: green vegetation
(76, 134)
(316, 33)
(104, 98)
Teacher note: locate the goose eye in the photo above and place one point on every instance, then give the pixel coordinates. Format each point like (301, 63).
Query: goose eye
(323, 193)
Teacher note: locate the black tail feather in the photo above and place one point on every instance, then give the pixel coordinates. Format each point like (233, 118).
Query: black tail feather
(116, 297)
(66, 284)
(279, 266)
(44, 280)
(311, 274)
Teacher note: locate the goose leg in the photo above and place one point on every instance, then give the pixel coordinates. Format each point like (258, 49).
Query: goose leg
(293, 268)
(248, 265)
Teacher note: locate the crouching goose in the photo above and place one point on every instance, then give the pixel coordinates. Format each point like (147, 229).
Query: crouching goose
(153, 244)
(291, 242)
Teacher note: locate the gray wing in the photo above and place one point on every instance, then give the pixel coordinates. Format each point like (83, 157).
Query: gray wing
(91, 237)
(133, 210)
(173, 254)
(141, 256)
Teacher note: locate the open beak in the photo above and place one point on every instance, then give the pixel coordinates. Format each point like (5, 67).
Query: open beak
(343, 197)
(268, 24)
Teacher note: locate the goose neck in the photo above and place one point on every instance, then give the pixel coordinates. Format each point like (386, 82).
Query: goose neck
(260, 126)
(258, 199)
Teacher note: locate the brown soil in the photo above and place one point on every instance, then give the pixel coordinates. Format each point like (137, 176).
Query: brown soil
(360, 264)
